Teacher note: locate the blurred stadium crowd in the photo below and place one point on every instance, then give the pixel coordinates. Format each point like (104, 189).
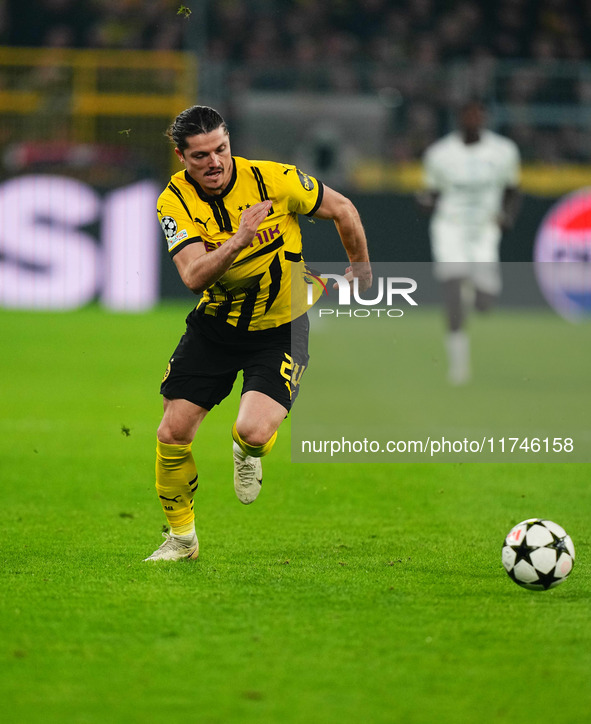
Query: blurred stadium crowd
(284, 31)
(420, 57)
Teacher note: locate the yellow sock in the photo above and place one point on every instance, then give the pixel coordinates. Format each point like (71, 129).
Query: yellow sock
(256, 451)
(176, 483)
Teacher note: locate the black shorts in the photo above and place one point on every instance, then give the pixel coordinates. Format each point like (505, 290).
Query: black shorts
(210, 354)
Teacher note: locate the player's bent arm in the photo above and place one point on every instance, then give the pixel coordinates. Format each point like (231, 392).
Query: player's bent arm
(510, 207)
(342, 211)
(200, 269)
(427, 201)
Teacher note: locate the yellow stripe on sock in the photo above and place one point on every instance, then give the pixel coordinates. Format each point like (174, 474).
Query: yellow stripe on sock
(255, 451)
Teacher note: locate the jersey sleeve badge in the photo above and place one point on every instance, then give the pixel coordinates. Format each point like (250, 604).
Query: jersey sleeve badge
(169, 227)
(171, 233)
(305, 180)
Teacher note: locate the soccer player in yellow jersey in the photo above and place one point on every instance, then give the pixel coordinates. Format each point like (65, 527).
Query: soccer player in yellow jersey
(232, 230)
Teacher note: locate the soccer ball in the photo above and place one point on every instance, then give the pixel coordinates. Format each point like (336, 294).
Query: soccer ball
(538, 554)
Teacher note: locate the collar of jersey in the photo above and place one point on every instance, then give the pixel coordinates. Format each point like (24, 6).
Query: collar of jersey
(212, 197)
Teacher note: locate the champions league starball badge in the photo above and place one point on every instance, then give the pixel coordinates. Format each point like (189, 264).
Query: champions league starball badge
(169, 226)
(562, 255)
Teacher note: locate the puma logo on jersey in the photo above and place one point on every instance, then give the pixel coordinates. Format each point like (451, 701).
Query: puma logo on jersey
(305, 180)
(172, 500)
(203, 223)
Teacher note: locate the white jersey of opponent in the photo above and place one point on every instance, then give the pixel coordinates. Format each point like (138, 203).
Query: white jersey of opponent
(471, 178)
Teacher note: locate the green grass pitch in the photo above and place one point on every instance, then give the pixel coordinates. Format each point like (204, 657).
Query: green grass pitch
(346, 593)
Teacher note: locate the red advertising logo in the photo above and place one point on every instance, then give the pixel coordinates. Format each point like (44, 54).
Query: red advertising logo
(562, 255)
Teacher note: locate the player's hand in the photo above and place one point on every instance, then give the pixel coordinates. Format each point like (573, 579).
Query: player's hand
(360, 270)
(250, 221)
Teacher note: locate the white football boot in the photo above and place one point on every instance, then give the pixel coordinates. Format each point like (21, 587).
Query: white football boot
(458, 355)
(248, 475)
(176, 548)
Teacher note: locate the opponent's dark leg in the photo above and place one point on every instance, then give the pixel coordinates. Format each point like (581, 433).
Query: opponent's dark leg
(457, 342)
(484, 301)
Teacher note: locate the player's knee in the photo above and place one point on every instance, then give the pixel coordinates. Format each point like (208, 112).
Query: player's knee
(173, 434)
(255, 433)
(484, 302)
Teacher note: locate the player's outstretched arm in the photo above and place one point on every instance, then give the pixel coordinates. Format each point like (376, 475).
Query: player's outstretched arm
(200, 269)
(342, 211)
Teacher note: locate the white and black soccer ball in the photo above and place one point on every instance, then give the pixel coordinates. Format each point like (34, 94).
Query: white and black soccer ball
(538, 554)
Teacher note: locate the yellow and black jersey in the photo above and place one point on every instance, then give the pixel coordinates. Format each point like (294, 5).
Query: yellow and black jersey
(255, 292)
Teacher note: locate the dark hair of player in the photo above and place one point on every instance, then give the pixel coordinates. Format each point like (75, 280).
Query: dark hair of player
(192, 122)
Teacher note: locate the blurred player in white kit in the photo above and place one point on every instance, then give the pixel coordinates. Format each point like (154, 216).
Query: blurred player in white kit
(471, 179)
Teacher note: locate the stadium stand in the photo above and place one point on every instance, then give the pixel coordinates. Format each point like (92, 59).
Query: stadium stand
(528, 58)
